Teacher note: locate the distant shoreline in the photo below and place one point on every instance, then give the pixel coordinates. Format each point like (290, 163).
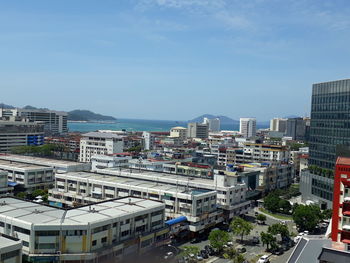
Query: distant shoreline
(104, 122)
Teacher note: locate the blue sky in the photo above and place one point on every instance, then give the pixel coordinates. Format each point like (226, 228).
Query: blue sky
(172, 59)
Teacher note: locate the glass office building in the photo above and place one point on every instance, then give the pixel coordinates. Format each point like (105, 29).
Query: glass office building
(329, 132)
(330, 121)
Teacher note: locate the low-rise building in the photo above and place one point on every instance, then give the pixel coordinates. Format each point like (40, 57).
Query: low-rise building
(100, 232)
(231, 195)
(99, 143)
(109, 161)
(10, 249)
(198, 205)
(189, 168)
(147, 164)
(27, 176)
(60, 166)
(5, 189)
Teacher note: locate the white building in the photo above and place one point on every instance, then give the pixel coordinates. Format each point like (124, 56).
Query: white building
(247, 127)
(109, 161)
(5, 189)
(147, 164)
(60, 166)
(28, 176)
(99, 143)
(198, 205)
(231, 195)
(55, 121)
(179, 132)
(148, 139)
(10, 250)
(213, 124)
(101, 232)
(278, 125)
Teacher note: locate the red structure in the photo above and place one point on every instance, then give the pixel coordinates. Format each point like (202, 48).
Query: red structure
(341, 201)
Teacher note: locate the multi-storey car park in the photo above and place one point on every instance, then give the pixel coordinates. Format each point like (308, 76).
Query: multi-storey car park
(231, 194)
(198, 205)
(101, 232)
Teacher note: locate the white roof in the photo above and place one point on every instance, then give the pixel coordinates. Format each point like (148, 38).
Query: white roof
(38, 214)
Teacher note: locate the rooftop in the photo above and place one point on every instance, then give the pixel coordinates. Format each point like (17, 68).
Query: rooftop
(8, 241)
(134, 183)
(343, 161)
(38, 160)
(34, 213)
(102, 135)
(4, 164)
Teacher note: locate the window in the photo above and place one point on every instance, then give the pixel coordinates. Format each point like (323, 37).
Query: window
(9, 255)
(21, 230)
(125, 233)
(94, 242)
(104, 240)
(47, 233)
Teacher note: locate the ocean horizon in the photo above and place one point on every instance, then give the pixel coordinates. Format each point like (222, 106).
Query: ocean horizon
(140, 125)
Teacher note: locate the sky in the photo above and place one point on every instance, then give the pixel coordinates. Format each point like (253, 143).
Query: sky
(172, 59)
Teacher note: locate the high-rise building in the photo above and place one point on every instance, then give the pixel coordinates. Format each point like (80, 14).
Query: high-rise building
(296, 128)
(214, 124)
(104, 143)
(15, 131)
(278, 124)
(197, 130)
(148, 140)
(247, 127)
(341, 202)
(329, 130)
(55, 121)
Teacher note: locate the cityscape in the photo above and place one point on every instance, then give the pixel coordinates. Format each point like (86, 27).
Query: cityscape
(118, 172)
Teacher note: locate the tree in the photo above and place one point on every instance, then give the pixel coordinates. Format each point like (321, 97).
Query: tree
(240, 227)
(279, 229)
(218, 239)
(261, 217)
(267, 239)
(271, 202)
(234, 256)
(284, 206)
(38, 192)
(307, 217)
(327, 214)
(22, 195)
(189, 250)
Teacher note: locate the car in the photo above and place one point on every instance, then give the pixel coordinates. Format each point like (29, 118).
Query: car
(306, 233)
(283, 222)
(277, 251)
(256, 213)
(264, 259)
(195, 240)
(168, 255)
(230, 243)
(199, 257)
(255, 240)
(241, 249)
(324, 225)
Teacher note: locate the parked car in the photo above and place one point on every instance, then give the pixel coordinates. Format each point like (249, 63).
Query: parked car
(169, 255)
(255, 240)
(241, 249)
(264, 259)
(199, 257)
(277, 251)
(230, 243)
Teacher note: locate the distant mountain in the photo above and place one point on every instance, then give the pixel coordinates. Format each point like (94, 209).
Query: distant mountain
(223, 119)
(5, 106)
(86, 115)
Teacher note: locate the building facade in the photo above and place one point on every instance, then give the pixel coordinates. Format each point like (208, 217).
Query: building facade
(179, 132)
(101, 232)
(10, 249)
(16, 132)
(213, 124)
(55, 121)
(99, 143)
(197, 130)
(278, 125)
(329, 131)
(297, 128)
(247, 127)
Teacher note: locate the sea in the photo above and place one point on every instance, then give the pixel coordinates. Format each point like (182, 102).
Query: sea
(140, 125)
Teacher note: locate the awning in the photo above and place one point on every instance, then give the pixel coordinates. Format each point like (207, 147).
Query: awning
(13, 184)
(176, 220)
